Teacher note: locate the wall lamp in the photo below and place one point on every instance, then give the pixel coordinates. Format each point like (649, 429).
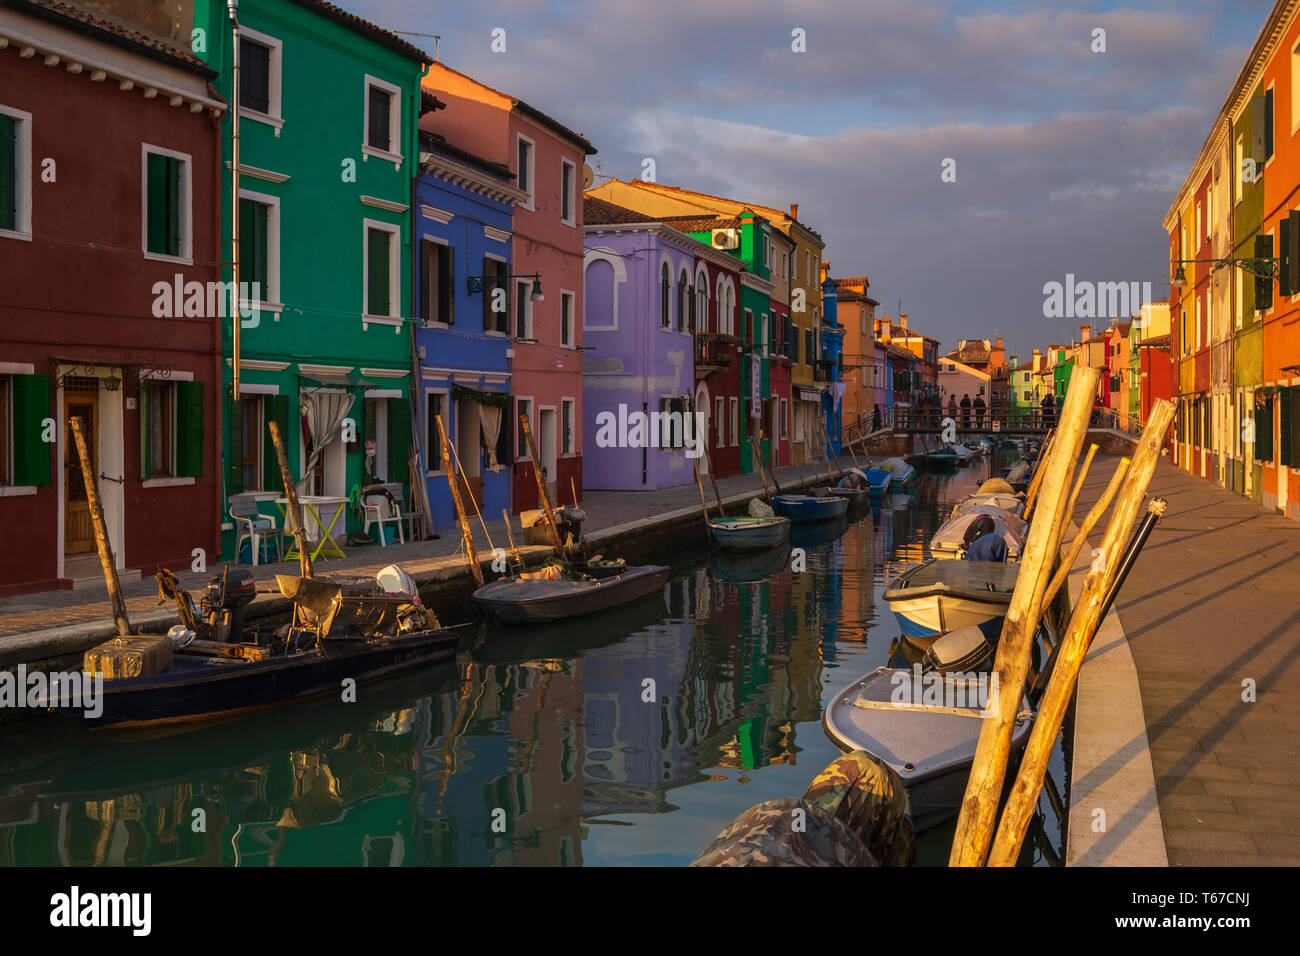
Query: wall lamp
(479, 283)
(1263, 268)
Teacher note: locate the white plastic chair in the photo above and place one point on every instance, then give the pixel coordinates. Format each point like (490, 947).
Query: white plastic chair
(379, 510)
(253, 526)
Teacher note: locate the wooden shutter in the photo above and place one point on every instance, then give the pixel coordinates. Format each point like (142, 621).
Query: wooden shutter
(1263, 284)
(189, 429)
(1284, 286)
(235, 449)
(253, 242)
(1284, 430)
(428, 280)
(1291, 252)
(446, 285)
(146, 413)
(156, 180)
(1268, 123)
(1257, 122)
(1294, 402)
(505, 438)
(380, 133)
(399, 439)
(8, 172)
(275, 408)
(254, 75)
(31, 406)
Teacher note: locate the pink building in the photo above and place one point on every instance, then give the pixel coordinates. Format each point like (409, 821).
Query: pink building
(546, 160)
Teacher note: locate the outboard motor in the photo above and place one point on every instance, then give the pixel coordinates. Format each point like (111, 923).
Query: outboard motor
(568, 523)
(224, 601)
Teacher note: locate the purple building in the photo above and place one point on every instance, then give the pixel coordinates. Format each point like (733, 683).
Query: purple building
(646, 285)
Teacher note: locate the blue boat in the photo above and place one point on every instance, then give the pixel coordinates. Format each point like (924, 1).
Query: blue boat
(808, 508)
(749, 534)
(892, 474)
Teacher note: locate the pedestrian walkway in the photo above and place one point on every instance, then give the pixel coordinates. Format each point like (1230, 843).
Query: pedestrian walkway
(26, 613)
(1211, 609)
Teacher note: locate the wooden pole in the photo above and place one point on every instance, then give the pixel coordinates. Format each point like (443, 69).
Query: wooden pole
(1011, 665)
(1080, 474)
(703, 504)
(466, 532)
(1081, 538)
(1035, 481)
(762, 463)
(762, 477)
(1078, 636)
(855, 455)
(714, 481)
(541, 486)
(830, 477)
(102, 544)
(294, 510)
(505, 516)
(830, 448)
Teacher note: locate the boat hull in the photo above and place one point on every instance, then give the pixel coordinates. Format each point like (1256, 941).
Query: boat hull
(749, 534)
(194, 688)
(537, 600)
(802, 508)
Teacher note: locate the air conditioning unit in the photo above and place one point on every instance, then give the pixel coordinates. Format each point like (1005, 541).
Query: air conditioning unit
(725, 239)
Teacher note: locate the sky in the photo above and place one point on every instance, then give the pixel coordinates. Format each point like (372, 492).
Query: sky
(1066, 159)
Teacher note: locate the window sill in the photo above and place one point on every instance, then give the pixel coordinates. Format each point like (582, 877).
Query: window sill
(166, 482)
(496, 334)
(367, 151)
(394, 320)
(257, 116)
(159, 257)
(15, 234)
(16, 491)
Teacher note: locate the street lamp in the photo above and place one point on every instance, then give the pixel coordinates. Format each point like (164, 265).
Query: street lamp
(1264, 268)
(479, 283)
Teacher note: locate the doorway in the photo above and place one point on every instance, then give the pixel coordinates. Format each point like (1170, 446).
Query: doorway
(546, 428)
(469, 448)
(81, 400)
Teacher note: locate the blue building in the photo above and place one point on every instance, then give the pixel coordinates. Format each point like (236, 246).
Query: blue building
(462, 216)
(828, 363)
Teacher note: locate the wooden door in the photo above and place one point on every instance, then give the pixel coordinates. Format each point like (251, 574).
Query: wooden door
(80, 400)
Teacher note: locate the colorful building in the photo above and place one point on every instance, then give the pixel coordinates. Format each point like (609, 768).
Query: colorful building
(328, 106)
(463, 229)
(546, 159)
(110, 307)
(829, 360)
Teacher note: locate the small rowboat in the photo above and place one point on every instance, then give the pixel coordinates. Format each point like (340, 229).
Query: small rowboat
(854, 486)
(936, 596)
(950, 540)
(749, 534)
(892, 474)
(546, 596)
(809, 508)
(994, 493)
(924, 726)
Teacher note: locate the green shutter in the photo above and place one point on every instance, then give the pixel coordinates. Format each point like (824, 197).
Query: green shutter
(1294, 401)
(253, 242)
(145, 389)
(31, 404)
(163, 181)
(189, 429)
(8, 172)
(235, 450)
(1284, 430)
(275, 409)
(1263, 284)
(1264, 431)
(377, 302)
(399, 439)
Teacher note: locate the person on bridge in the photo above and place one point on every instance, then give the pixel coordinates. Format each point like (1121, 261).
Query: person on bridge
(952, 407)
(1048, 404)
(978, 405)
(965, 410)
(875, 417)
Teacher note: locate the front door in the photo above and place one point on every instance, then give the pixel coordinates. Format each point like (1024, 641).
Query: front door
(547, 441)
(80, 400)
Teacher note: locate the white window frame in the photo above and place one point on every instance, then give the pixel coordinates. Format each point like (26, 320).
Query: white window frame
(170, 397)
(529, 331)
(393, 156)
(394, 273)
(270, 301)
(521, 453)
(573, 417)
(569, 216)
(23, 176)
(433, 466)
(530, 205)
(733, 426)
(573, 325)
(701, 300)
(186, 256)
(438, 323)
(275, 66)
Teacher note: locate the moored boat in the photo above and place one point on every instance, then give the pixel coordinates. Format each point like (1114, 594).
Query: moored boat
(924, 726)
(557, 593)
(994, 493)
(892, 474)
(809, 508)
(749, 534)
(950, 540)
(936, 596)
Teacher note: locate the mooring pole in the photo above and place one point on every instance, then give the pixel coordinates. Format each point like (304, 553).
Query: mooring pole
(294, 509)
(102, 545)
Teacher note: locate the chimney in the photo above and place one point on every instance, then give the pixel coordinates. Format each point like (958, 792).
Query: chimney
(826, 268)
(1084, 332)
(999, 345)
(794, 210)
(902, 320)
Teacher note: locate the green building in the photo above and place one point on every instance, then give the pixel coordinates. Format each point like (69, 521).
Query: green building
(328, 118)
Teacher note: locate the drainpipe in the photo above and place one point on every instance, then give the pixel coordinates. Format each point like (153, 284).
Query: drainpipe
(218, 486)
(233, 7)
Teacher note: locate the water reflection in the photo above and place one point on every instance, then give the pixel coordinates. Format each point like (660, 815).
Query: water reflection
(629, 738)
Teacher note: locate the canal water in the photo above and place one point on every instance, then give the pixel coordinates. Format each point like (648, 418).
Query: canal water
(632, 738)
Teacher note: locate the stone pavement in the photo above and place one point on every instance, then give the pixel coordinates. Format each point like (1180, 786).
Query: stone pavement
(73, 610)
(1214, 601)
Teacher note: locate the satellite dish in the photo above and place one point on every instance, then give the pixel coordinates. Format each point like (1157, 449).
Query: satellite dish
(588, 177)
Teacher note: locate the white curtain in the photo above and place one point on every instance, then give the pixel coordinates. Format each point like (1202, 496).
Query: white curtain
(489, 419)
(324, 413)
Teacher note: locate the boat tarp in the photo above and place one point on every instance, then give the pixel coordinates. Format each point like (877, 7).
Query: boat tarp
(956, 575)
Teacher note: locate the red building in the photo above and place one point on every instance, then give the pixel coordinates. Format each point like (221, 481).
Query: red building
(717, 364)
(108, 238)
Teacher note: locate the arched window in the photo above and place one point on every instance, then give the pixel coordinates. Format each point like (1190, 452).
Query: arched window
(665, 291)
(700, 316)
(683, 300)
